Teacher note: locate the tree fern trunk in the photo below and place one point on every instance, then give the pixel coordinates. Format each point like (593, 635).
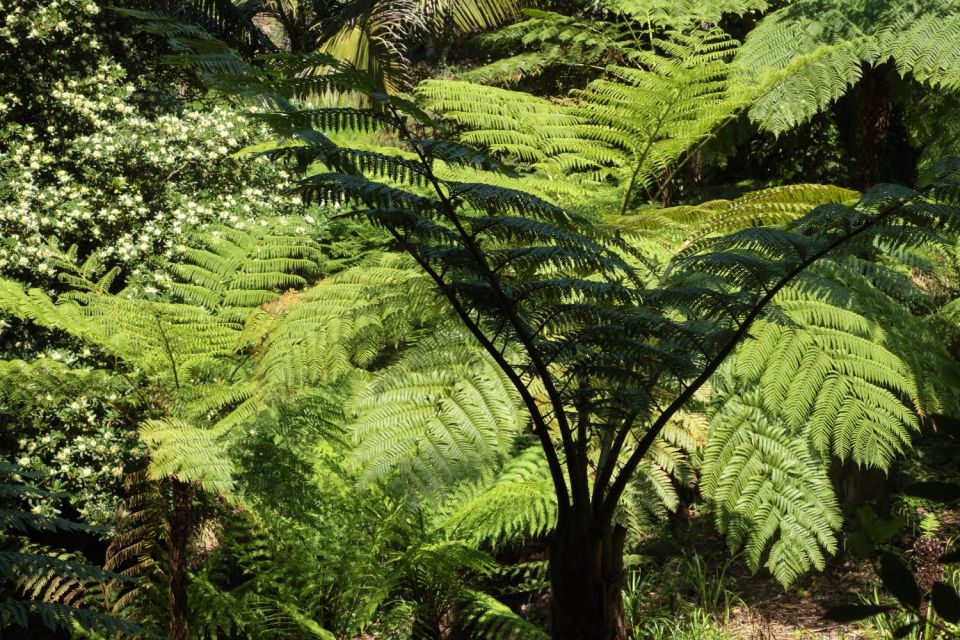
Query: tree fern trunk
(881, 150)
(874, 106)
(586, 575)
(179, 524)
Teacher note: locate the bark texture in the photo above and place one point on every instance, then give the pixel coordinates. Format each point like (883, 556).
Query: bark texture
(586, 575)
(179, 524)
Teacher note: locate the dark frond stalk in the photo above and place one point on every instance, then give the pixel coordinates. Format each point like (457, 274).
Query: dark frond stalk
(576, 464)
(168, 351)
(630, 466)
(610, 450)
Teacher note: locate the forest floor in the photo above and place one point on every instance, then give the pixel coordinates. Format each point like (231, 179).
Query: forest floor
(695, 564)
(769, 612)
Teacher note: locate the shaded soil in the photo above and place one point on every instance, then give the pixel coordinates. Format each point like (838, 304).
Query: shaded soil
(769, 612)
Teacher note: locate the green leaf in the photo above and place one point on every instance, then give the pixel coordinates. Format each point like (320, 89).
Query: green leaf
(899, 581)
(946, 602)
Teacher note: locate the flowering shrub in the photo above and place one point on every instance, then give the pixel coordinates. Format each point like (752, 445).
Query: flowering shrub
(131, 189)
(100, 151)
(73, 429)
(88, 161)
(79, 451)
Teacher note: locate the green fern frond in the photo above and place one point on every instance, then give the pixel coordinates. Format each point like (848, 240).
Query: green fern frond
(50, 586)
(769, 494)
(188, 453)
(486, 617)
(812, 51)
(231, 271)
(342, 324)
(516, 502)
(442, 412)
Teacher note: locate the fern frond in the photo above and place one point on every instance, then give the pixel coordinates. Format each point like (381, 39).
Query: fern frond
(514, 503)
(231, 271)
(486, 617)
(810, 52)
(442, 412)
(342, 324)
(188, 453)
(769, 494)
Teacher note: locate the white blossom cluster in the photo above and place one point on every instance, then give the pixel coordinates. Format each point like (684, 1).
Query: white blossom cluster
(132, 188)
(77, 449)
(142, 185)
(25, 21)
(97, 170)
(89, 158)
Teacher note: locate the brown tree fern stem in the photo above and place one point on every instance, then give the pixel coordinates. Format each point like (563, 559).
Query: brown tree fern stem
(540, 426)
(620, 483)
(179, 523)
(576, 465)
(586, 577)
(873, 118)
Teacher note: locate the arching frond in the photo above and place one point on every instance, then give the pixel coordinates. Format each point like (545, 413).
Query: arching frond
(487, 617)
(188, 453)
(231, 271)
(766, 488)
(515, 502)
(341, 324)
(812, 51)
(441, 413)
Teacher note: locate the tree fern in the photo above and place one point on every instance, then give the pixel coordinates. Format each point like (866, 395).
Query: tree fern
(829, 368)
(186, 362)
(657, 113)
(815, 50)
(583, 341)
(42, 584)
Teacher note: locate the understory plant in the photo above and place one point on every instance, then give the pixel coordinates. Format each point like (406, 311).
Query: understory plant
(603, 345)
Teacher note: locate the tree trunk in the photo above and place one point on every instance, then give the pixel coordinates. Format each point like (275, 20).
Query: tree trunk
(874, 106)
(179, 524)
(586, 574)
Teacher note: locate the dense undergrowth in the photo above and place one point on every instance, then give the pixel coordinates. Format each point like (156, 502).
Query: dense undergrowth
(390, 319)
